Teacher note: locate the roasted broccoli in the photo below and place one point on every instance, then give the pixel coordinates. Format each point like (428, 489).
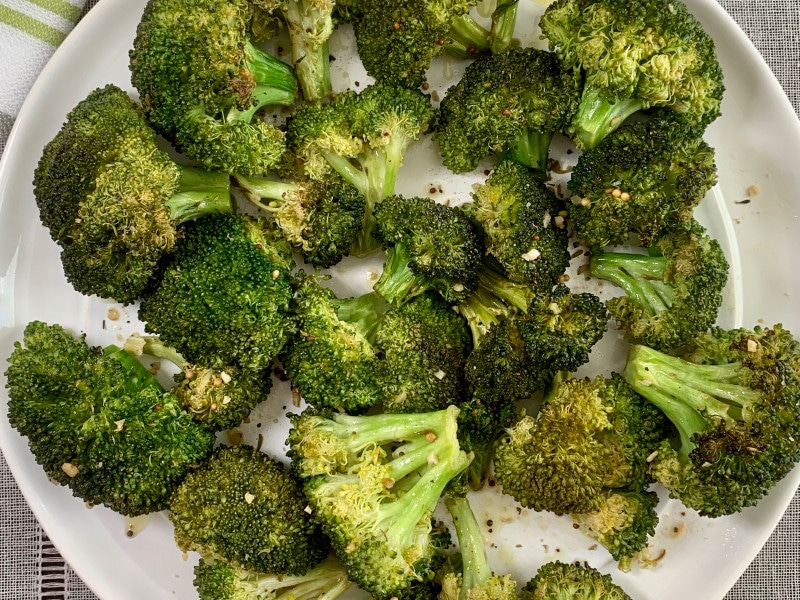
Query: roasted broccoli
(642, 179)
(202, 82)
(476, 581)
(671, 294)
(517, 214)
(568, 581)
(224, 295)
(244, 507)
(363, 137)
(588, 436)
(320, 218)
(373, 482)
(219, 396)
(508, 104)
(521, 354)
(429, 246)
(310, 24)
(330, 358)
(99, 422)
(634, 54)
(113, 200)
(622, 524)
(423, 345)
(219, 580)
(734, 398)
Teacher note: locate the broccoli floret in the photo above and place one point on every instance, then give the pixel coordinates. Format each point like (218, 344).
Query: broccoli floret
(320, 218)
(476, 581)
(113, 200)
(310, 24)
(202, 81)
(224, 294)
(397, 42)
(373, 482)
(363, 137)
(244, 507)
(331, 358)
(429, 246)
(562, 581)
(635, 54)
(508, 104)
(644, 178)
(622, 524)
(98, 422)
(219, 396)
(219, 580)
(734, 398)
(588, 436)
(516, 212)
(522, 354)
(424, 345)
(671, 294)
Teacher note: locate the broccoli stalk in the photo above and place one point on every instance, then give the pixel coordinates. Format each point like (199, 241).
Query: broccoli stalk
(219, 580)
(467, 38)
(373, 482)
(597, 117)
(199, 193)
(275, 83)
(640, 276)
(504, 20)
(310, 25)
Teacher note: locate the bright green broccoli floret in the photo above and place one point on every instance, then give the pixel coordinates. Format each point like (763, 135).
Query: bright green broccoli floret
(734, 397)
(373, 482)
(219, 580)
(522, 354)
(517, 213)
(424, 345)
(243, 507)
(219, 396)
(99, 422)
(224, 295)
(321, 219)
(508, 104)
(113, 200)
(622, 524)
(310, 24)
(476, 581)
(429, 246)
(363, 137)
(561, 581)
(589, 436)
(635, 54)
(642, 179)
(673, 293)
(331, 358)
(202, 81)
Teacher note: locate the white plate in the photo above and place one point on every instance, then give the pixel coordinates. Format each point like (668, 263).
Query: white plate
(757, 142)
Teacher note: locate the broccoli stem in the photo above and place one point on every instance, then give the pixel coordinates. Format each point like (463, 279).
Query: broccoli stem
(139, 377)
(694, 397)
(475, 570)
(467, 38)
(531, 149)
(640, 276)
(360, 432)
(200, 193)
(276, 83)
(261, 188)
(504, 20)
(365, 312)
(597, 117)
(309, 30)
(398, 284)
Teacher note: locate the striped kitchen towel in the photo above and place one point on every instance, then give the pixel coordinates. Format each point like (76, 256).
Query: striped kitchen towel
(30, 31)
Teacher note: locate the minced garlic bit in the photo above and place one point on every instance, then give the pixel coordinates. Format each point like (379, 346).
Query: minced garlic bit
(69, 469)
(559, 221)
(225, 377)
(307, 509)
(531, 254)
(387, 482)
(120, 424)
(439, 374)
(652, 456)
(113, 314)
(433, 459)
(276, 273)
(752, 345)
(753, 190)
(226, 400)
(554, 308)
(458, 287)
(248, 497)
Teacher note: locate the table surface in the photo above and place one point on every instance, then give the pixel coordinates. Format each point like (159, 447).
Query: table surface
(32, 567)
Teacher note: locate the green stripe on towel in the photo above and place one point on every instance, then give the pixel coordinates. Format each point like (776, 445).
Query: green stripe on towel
(29, 25)
(59, 7)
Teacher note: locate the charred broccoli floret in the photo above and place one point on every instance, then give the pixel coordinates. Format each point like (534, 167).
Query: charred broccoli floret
(635, 54)
(202, 82)
(99, 422)
(567, 581)
(734, 398)
(671, 294)
(113, 200)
